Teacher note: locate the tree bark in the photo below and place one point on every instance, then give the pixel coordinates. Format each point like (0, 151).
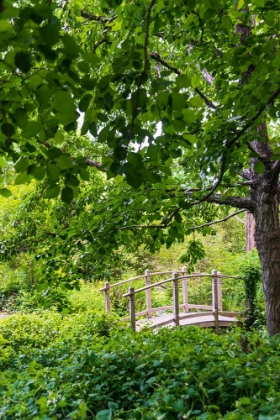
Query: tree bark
(250, 232)
(267, 236)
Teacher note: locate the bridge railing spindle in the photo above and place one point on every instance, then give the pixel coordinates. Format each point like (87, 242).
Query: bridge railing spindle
(107, 297)
(148, 295)
(215, 303)
(175, 298)
(132, 315)
(219, 287)
(185, 289)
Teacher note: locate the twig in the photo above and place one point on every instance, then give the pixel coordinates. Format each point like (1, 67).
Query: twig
(102, 41)
(100, 19)
(217, 221)
(175, 70)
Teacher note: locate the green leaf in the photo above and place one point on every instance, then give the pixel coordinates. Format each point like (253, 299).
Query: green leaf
(259, 3)
(53, 172)
(102, 136)
(84, 103)
(183, 81)
(178, 101)
(104, 414)
(22, 164)
(259, 167)
(67, 195)
(23, 61)
(8, 129)
(84, 174)
(65, 107)
(226, 22)
(196, 102)
(190, 137)
(71, 49)
(52, 191)
(162, 98)
(59, 137)
(5, 26)
(64, 162)
(2, 162)
(39, 173)
(5, 192)
(22, 178)
(189, 115)
(31, 129)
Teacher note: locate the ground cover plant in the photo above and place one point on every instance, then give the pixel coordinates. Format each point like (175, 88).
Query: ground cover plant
(89, 366)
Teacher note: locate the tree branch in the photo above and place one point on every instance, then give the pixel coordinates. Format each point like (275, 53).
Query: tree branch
(217, 183)
(239, 202)
(217, 221)
(100, 19)
(157, 58)
(95, 164)
(245, 174)
(102, 41)
(251, 120)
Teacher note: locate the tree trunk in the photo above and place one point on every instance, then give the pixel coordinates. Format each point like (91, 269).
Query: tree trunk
(250, 232)
(267, 236)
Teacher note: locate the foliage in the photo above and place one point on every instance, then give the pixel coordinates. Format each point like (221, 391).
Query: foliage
(195, 252)
(176, 103)
(252, 276)
(54, 368)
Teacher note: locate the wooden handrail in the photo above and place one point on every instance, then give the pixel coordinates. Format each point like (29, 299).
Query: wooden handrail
(142, 276)
(166, 272)
(169, 280)
(150, 286)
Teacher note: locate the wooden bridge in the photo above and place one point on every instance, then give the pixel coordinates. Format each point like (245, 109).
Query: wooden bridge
(208, 316)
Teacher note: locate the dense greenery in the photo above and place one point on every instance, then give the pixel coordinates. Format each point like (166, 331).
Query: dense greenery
(88, 366)
(180, 103)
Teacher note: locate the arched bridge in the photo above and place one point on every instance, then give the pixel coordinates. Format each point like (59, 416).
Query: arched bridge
(179, 313)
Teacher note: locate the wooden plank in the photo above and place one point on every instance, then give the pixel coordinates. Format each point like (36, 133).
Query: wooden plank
(202, 320)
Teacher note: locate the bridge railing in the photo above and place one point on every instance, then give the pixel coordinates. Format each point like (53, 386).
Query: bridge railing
(216, 307)
(147, 277)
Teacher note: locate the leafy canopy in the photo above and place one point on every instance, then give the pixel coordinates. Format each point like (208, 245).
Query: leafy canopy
(125, 68)
(162, 91)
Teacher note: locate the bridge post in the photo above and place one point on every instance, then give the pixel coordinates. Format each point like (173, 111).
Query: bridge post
(148, 295)
(107, 297)
(175, 298)
(185, 290)
(219, 287)
(215, 304)
(132, 308)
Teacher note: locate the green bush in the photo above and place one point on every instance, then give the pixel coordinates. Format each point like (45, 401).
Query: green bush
(87, 366)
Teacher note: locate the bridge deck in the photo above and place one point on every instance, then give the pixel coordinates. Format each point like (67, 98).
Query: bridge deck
(199, 319)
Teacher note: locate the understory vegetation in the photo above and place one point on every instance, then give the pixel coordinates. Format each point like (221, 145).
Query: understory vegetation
(90, 365)
(63, 357)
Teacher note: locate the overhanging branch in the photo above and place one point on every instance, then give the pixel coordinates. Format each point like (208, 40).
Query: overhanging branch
(239, 202)
(217, 221)
(157, 58)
